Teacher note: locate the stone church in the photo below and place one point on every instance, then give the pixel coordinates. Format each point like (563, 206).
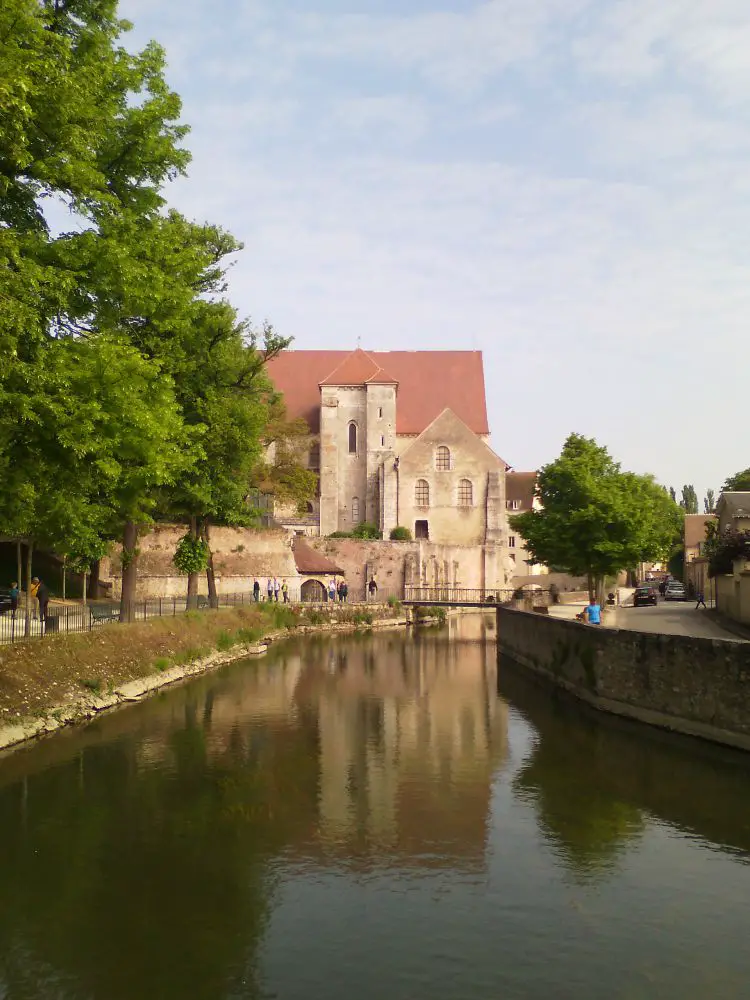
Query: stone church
(399, 438)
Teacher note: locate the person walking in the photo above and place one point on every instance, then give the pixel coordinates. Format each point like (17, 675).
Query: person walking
(269, 588)
(276, 589)
(285, 592)
(42, 595)
(340, 589)
(372, 589)
(14, 592)
(33, 595)
(332, 591)
(701, 601)
(256, 591)
(344, 592)
(593, 612)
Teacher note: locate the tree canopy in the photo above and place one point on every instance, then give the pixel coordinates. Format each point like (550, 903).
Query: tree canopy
(595, 519)
(738, 483)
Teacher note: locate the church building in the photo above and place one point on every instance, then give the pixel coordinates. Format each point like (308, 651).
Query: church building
(399, 438)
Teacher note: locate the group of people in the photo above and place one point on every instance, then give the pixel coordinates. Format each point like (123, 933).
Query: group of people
(38, 594)
(273, 590)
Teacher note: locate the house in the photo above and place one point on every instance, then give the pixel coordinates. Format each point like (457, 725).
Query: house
(399, 438)
(520, 496)
(733, 512)
(696, 562)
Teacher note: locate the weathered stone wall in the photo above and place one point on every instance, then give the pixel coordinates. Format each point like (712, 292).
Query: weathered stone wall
(240, 555)
(733, 593)
(417, 563)
(700, 687)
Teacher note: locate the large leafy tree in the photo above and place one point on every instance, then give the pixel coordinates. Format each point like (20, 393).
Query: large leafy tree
(689, 501)
(595, 519)
(738, 483)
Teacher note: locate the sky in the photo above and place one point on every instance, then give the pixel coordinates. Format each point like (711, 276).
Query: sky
(561, 184)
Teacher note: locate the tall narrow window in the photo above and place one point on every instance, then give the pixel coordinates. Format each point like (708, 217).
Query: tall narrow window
(511, 541)
(352, 438)
(443, 459)
(465, 493)
(355, 510)
(422, 493)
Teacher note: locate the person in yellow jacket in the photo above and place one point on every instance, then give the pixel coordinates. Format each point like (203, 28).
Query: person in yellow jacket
(33, 590)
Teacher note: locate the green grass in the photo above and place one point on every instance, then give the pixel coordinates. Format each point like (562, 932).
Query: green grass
(161, 663)
(92, 683)
(224, 641)
(249, 636)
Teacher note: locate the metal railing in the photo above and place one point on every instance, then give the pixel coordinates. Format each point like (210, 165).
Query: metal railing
(463, 596)
(86, 617)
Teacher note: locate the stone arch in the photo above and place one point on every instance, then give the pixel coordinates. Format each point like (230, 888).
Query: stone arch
(313, 592)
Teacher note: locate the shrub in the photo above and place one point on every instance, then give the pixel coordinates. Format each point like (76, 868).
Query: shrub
(248, 635)
(281, 615)
(400, 534)
(92, 683)
(393, 602)
(340, 534)
(367, 531)
(161, 664)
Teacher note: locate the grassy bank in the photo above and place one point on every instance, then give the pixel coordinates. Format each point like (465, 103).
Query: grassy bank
(46, 676)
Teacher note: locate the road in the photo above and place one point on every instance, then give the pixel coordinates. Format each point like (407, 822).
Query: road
(668, 617)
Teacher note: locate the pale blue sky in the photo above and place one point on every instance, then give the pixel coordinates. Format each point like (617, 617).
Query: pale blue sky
(562, 184)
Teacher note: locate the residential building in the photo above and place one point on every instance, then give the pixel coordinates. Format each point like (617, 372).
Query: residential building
(520, 496)
(733, 512)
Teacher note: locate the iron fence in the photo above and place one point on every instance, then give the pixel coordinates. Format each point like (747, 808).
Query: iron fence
(463, 596)
(86, 617)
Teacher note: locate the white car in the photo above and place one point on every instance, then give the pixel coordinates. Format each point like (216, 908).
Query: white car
(675, 591)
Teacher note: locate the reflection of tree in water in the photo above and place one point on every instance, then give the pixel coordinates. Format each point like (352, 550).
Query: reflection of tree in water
(122, 881)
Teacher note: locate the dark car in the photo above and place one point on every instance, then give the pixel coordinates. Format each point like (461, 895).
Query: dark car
(645, 594)
(4, 601)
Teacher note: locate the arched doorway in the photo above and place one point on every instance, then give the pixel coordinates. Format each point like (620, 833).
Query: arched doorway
(313, 592)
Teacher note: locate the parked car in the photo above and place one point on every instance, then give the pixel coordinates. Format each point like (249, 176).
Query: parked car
(4, 600)
(675, 591)
(645, 594)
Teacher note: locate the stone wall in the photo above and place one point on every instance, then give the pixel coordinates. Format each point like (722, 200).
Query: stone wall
(240, 555)
(700, 687)
(416, 563)
(732, 593)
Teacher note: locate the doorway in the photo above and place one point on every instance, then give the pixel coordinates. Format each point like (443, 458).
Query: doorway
(421, 529)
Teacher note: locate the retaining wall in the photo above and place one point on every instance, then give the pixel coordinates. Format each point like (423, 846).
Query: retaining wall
(700, 687)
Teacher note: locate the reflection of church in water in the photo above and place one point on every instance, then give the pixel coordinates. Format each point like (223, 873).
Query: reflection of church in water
(411, 735)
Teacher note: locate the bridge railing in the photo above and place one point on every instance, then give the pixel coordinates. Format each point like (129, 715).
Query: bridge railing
(522, 598)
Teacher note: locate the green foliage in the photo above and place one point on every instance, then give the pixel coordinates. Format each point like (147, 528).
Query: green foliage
(93, 684)
(365, 530)
(224, 641)
(281, 615)
(723, 550)
(394, 603)
(709, 504)
(191, 555)
(362, 618)
(400, 534)
(161, 663)
(738, 483)
(689, 501)
(249, 636)
(340, 534)
(595, 519)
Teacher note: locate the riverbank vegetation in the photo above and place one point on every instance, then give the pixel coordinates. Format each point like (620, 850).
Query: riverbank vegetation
(130, 389)
(596, 520)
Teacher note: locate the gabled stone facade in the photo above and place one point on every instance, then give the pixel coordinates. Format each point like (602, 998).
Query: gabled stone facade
(394, 451)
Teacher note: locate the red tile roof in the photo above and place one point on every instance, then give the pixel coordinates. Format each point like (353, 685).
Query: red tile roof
(428, 383)
(309, 561)
(359, 368)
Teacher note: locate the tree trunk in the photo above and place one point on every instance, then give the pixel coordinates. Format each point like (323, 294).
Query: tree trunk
(27, 617)
(592, 592)
(129, 570)
(193, 578)
(213, 599)
(19, 566)
(85, 585)
(64, 569)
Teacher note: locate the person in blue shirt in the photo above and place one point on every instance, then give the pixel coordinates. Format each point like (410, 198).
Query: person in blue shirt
(593, 612)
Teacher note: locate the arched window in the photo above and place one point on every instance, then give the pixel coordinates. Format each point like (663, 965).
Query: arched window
(422, 493)
(443, 459)
(352, 438)
(465, 493)
(355, 509)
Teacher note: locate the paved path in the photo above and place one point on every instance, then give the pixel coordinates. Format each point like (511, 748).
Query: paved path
(668, 618)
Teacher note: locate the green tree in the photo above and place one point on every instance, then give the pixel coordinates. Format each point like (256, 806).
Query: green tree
(689, 501)
(595, 519)
(709, 504)
(738, 483)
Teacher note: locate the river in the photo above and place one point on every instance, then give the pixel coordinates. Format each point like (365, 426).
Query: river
(373, 817)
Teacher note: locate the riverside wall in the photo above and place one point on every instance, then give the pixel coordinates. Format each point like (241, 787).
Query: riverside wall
(699, 687)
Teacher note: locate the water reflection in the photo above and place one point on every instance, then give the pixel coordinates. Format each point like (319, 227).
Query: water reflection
(594, 781)
(138, 851)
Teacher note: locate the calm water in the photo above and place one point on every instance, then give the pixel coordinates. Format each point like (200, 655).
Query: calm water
(373, 818)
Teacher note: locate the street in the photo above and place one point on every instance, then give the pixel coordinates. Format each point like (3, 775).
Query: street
(668, 617)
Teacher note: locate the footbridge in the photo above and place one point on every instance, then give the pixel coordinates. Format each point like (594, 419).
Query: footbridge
(530, 598)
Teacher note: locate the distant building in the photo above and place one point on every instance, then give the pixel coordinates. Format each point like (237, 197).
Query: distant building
(733, 512)
(399, 438)
(520, 496)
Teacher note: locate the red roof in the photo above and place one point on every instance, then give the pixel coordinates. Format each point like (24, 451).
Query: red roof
(428, 383)
(309, 561)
